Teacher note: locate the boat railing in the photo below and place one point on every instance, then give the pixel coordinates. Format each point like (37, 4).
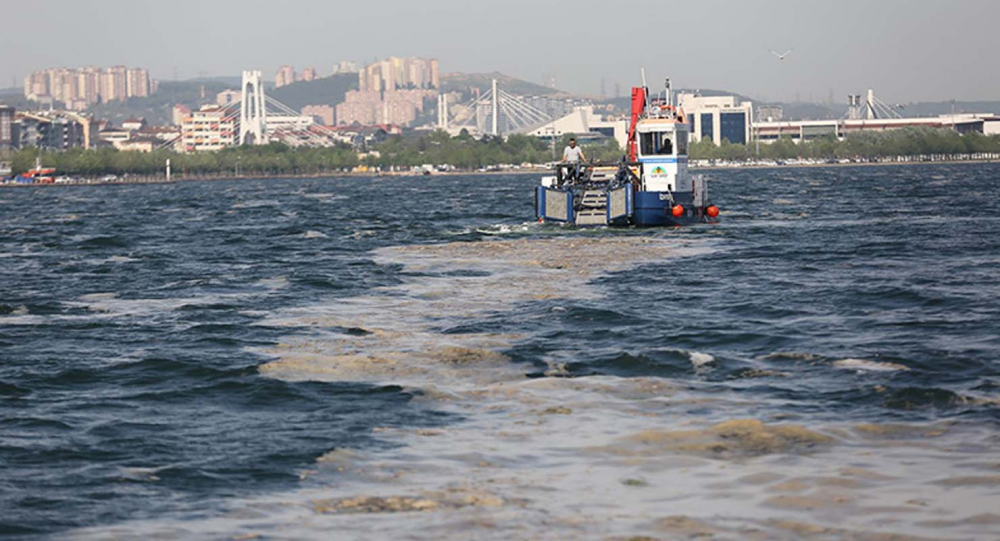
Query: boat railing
(583, 174)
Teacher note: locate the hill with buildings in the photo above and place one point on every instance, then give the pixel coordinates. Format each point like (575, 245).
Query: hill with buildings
(14, 97)
(157, 108)
(463, 82)
(326, 91)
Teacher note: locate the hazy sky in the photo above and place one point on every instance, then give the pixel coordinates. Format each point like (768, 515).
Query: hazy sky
(907, 50)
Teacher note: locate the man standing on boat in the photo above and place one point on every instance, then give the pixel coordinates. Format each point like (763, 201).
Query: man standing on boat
(573, 155)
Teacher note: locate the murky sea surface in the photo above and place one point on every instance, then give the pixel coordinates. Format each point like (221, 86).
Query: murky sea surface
(413, 358)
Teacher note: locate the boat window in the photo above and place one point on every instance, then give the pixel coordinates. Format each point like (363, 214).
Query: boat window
(682, 144)
(665, 146)
(646, 144)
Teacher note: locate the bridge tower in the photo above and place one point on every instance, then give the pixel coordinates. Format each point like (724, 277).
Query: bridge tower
(253, 114)
(496, 129)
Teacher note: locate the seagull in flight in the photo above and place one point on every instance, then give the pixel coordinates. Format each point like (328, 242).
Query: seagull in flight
(782, 56)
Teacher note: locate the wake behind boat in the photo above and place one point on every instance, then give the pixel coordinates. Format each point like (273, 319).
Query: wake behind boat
(651, 186)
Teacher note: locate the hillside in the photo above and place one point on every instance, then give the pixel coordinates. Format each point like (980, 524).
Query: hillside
(157, 109)
(326, 91)
(14, 97)
(937, 108)
(462, 82)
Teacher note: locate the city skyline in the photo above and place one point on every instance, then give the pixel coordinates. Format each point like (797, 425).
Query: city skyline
(893, 46)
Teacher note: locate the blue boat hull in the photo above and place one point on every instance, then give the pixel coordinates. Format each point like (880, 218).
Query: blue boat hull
(640, 209)
(653, 209)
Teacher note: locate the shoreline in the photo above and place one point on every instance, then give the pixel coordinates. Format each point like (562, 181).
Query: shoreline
(213, 178)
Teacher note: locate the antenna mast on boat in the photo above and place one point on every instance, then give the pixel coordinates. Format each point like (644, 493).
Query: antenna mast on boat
(645, 87)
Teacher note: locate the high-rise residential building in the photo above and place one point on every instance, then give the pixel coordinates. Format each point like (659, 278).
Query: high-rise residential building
(83, 87)
(285, 76)
(324, 113)
(392, 107)
(359, 107)
(7, 136)
(89, 84)
(309, 74)
(114, 84)
(400, 73)
(436, 74)
(391, 91)
(345, 66)
(36, 85)
(137, 83)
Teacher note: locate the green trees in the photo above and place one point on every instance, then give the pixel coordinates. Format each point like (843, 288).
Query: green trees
(461, 151)
(913, 141)
(468, 153)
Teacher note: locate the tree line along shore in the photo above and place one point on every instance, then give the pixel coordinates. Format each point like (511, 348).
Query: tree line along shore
(465, 153)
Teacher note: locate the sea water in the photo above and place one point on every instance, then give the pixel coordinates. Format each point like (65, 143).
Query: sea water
(415, 358)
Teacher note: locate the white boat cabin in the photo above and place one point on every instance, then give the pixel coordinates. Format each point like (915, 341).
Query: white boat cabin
(663, 152)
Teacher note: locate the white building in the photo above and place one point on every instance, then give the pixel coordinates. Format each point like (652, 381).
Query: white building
(209, 128)
(582, 121)
(807, 130)
(717, 118)
(289, 122)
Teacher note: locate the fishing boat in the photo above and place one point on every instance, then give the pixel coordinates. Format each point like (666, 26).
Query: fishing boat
(650, 186)
(38, 175)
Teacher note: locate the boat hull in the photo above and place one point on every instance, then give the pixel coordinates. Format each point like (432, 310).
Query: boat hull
(637, 209)
(655, 209)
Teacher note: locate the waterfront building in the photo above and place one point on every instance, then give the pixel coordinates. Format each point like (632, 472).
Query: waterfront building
(8, 135)
(51, 130)
(207, 129)
(285, 76)
(146, 139)
(807, 130)
(324, 113)
(717, 118)
(114, 136)
(140, 144)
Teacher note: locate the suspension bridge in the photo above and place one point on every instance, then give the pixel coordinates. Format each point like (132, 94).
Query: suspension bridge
(495, 112)
(869, 108)
(259, 119)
